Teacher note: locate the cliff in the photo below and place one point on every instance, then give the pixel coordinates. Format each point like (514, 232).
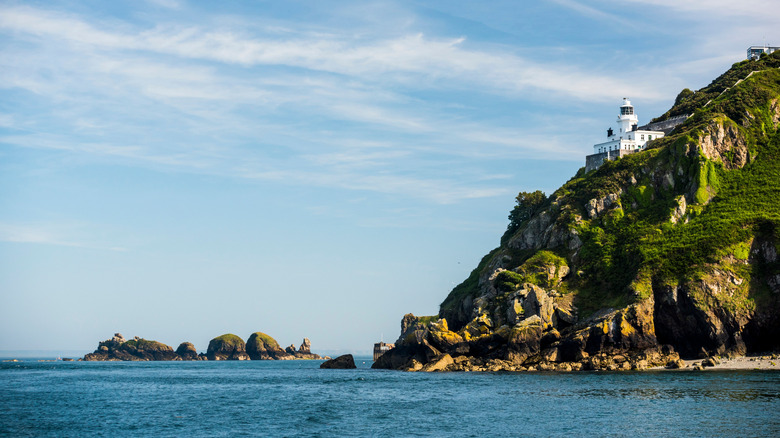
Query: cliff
(668, 252)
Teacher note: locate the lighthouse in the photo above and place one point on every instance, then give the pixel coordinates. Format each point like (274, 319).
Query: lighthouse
(625, 139)
(627, 120)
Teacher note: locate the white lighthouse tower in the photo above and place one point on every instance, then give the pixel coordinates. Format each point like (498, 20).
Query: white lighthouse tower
(627, 120)
(626, 139)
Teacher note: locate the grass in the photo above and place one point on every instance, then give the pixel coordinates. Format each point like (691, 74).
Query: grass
(268, 341)
(634, 244)
(143, 344)
(228, 339)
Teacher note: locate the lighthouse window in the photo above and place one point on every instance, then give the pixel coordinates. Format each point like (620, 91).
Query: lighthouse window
(643, 136)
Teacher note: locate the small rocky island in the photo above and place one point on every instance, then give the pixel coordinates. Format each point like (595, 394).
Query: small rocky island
(260, 346)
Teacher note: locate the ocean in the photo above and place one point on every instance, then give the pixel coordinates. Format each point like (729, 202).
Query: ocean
(296, 398)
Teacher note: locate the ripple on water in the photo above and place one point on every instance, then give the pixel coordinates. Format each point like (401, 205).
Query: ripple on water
(298, 399)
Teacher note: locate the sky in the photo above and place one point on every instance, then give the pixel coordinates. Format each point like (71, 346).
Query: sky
(177, 170)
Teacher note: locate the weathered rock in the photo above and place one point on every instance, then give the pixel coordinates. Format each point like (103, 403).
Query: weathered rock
(305, 346)
(524, 340)
(227, 347)
(515, 312)
(537, 302)
(697, 330)
(138, 349)
(679, 212)
(597, 206)
(722, 141)
(260, 346)
(565, 314)
(479, 326)
(187, 351)
(445, 340)
(342, 362)
(439, 363)
(710, 362)
(675, 364)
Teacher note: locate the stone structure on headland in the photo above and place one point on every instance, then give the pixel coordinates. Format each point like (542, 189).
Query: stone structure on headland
(226, 347)
(629, 137)
(666, 254)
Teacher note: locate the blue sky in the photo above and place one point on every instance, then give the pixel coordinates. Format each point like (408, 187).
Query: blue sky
(178, 170)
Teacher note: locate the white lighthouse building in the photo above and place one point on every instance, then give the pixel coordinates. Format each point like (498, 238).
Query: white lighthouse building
(626, 139)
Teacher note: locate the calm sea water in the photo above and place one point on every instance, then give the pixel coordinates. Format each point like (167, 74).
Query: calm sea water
(296, 398)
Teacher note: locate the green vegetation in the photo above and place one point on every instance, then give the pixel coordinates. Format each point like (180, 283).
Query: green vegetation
(228, 339)
(143, 344)
(269, 342)
(543, 268)
(633, 243)
(526, 205)
(425, 320)
(507, 281)
(470, 286)
(688, 102)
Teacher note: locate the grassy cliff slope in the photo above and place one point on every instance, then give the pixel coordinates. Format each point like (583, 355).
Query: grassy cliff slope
(672, 249)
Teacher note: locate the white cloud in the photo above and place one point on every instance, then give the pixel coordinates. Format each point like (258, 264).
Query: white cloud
(595, 13)
(727, 8)
(170, 4)
(290, 105)
(387, 58)
(47, 234)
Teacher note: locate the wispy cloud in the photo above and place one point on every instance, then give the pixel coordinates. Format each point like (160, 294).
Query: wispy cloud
(47, 234)
(289, 103)
(414, 54)
(758, 9)
(170, 4)
(598, 14)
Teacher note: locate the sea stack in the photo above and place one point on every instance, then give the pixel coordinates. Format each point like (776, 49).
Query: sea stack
(260, 346)
(227, 347)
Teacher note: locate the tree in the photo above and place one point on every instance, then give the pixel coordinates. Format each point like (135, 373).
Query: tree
(527, 205)
(684, 94)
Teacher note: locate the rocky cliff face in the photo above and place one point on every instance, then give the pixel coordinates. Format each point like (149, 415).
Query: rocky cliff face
(667, 252)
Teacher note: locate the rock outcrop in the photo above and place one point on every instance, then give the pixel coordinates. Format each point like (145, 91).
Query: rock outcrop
(342, 362)
(664, 253)
(187, 351)
(227, 347)
(263, 347)
(260, 346)
(305, 347)
(138, 349)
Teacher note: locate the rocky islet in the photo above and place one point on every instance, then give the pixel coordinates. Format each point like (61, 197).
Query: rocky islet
(225, 347)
